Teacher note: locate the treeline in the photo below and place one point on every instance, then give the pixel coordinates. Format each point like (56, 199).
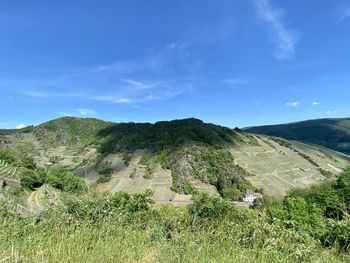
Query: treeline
(165, 135)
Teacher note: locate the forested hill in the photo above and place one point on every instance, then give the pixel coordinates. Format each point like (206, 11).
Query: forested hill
(164, 135)
(330, 133)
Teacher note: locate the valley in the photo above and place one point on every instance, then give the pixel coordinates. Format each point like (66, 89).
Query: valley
(154, 192)
(193, 156)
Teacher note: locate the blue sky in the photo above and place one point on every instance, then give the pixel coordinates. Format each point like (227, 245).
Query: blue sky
(234, 62)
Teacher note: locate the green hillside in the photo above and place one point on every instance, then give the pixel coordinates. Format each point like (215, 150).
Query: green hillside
(174, 158)
(163, 135)
(106, 186)
(190, 148)
(69, 131)
(330, 133)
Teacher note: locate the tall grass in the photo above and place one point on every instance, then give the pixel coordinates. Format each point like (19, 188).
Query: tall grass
(105, 228)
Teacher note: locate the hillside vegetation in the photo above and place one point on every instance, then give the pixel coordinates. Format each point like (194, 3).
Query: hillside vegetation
(330, 133)
(69, 131)
(189, 148)
(50, 210)
(309, 225)
(181, 156)
(163, 135)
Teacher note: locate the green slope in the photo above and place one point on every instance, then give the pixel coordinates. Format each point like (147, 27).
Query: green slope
(190, 148)
(163, 135)
(330, 133)
(69, 131)
(181, 155)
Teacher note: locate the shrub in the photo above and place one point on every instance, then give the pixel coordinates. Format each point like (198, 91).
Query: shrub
(232, 193)
(103, 179)
(66, 181)
(7, 155)
(27, 162)
(126, 158)
(32, 179)
(213, 208)
(343, 187)
(149, 172)
(189, 189)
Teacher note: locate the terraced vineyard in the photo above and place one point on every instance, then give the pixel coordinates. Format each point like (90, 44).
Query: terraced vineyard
(187, 155)
(278, 165)
(132, 179)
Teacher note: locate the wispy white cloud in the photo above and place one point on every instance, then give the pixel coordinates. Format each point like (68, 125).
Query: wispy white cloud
(315, 103)
(119, 67)
(237, 81)
(67, 114)
(78, 113)
(115, 99)
(328, 112)
(345, 15)
(139, 84)
(293, 104)
(122, 82)
(86, 112)
(285, 40)
(156, 90)
(48, 94)
(124, 91)
(21, 126)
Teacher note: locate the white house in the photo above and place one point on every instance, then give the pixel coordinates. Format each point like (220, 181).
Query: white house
(250, 196)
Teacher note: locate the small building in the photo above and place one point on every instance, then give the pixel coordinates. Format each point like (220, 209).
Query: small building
(250, 196)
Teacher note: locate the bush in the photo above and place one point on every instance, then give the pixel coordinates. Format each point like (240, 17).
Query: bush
(66, 181)
(189, 189)
(232, 193)
(303, 216)
(212, 208)
(145, 159)
(106, 171)
(126, 158)
(149, 172)
(7, 155)
(32, 179)
(103, 179)
(343, 187)
(338, 233)
(28, 162)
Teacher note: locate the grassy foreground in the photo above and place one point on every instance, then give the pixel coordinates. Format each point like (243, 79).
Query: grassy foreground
(96, 227)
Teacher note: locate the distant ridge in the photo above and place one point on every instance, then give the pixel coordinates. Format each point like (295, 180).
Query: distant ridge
(330, 133)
